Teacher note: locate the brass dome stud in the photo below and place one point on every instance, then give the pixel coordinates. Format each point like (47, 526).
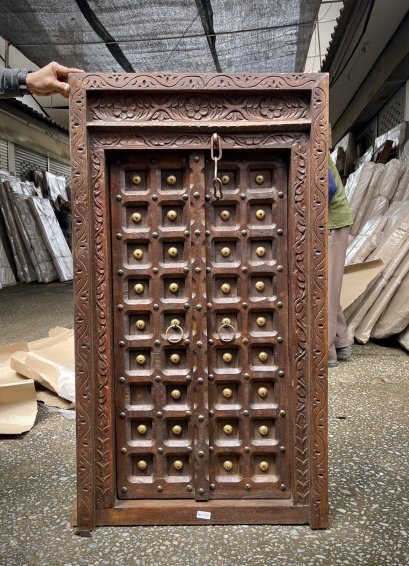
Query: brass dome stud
(259, 179)
(261, 251)
(226, 288)
(262, 392)
(173, 287)
(227, 429)
(171, 215)
(140, 359)
(175, 394)
(225, 215)
(171, 180)
(139, 288)
(263, 356)
(138, 253)
(178, 464)
(260, 214)
(263, 430)
(225, 252)
(260, 286)
(136, 217)
(227, 393)
(142, 429)
(142, 465)
(140, 324)
(173, 252)
(228, 465)
(264, 466)
(177, 429)
(136, 180)
(175, 358)
(261, 321)
(227, 358)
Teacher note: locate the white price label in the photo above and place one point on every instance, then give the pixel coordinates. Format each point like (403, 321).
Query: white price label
(203, 515)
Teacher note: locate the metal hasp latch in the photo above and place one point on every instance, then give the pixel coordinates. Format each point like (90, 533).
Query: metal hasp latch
(216, 148)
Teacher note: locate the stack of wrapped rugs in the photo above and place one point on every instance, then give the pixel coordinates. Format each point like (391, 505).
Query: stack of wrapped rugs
(379, 199)
(32, 244)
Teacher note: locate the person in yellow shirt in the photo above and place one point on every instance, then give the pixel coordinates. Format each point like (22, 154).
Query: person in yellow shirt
(339, 222)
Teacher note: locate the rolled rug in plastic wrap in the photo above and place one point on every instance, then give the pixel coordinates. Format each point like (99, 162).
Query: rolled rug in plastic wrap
(366, 199)
(395, 317)
(32, 238)
(53, 237)
(366, 241)
(25, 268)
(403, 338)
(364, 330)
(403, 184)
(390, 179)
(391, 260)
(357, 185)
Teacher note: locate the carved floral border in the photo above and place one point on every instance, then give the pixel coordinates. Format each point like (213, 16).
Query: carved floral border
(138, 107)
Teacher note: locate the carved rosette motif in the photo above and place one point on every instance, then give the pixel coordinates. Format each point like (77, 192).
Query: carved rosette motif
(300, 317)
(143, 107)
(81, 243)
(319, 480)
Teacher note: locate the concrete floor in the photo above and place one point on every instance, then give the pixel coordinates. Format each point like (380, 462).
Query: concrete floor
(369, 476)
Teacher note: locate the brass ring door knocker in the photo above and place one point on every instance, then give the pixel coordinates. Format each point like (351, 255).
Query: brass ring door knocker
(175, 338)
(228, 337)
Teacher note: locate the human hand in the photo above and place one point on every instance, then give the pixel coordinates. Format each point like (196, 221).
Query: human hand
(50, 80)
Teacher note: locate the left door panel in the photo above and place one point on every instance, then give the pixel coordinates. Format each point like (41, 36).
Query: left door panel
(152, 290)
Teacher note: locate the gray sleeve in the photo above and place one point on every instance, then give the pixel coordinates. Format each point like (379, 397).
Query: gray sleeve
(13, 82)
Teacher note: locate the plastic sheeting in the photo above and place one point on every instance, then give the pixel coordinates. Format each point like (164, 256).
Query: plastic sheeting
(364, 195)
(6, 273)
(364, 330)
(395, 317)
(25, 268)
(366, 241)
(356, 318)
(153, 35)
(403, 338)
(56, 185)
(357, 185)
(53, 237)
(30, 232)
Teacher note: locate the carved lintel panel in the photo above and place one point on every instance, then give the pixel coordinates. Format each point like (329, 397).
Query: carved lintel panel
(200, 321)
(199, 108)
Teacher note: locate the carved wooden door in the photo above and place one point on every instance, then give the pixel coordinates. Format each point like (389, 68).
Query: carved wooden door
(200, 326)
(200, 321)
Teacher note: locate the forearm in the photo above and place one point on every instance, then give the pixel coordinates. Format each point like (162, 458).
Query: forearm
(13, 82)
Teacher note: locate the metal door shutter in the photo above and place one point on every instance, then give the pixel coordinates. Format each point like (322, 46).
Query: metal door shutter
(27, 159)
(59, 168)
(3, 154)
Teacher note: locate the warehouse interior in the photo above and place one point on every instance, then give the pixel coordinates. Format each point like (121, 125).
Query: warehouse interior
(364, 47)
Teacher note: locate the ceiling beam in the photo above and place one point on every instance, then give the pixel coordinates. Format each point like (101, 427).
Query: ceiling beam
(205, 10)
(394, 56)
(104, 34)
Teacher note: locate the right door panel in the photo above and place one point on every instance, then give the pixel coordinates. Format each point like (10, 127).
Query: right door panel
(248, 327)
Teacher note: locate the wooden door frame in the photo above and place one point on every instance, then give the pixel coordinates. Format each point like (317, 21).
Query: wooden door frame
(181, 111)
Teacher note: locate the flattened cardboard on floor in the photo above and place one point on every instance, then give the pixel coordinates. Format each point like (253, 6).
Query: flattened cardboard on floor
(50, 362)
(18, 405)
(357, 278)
